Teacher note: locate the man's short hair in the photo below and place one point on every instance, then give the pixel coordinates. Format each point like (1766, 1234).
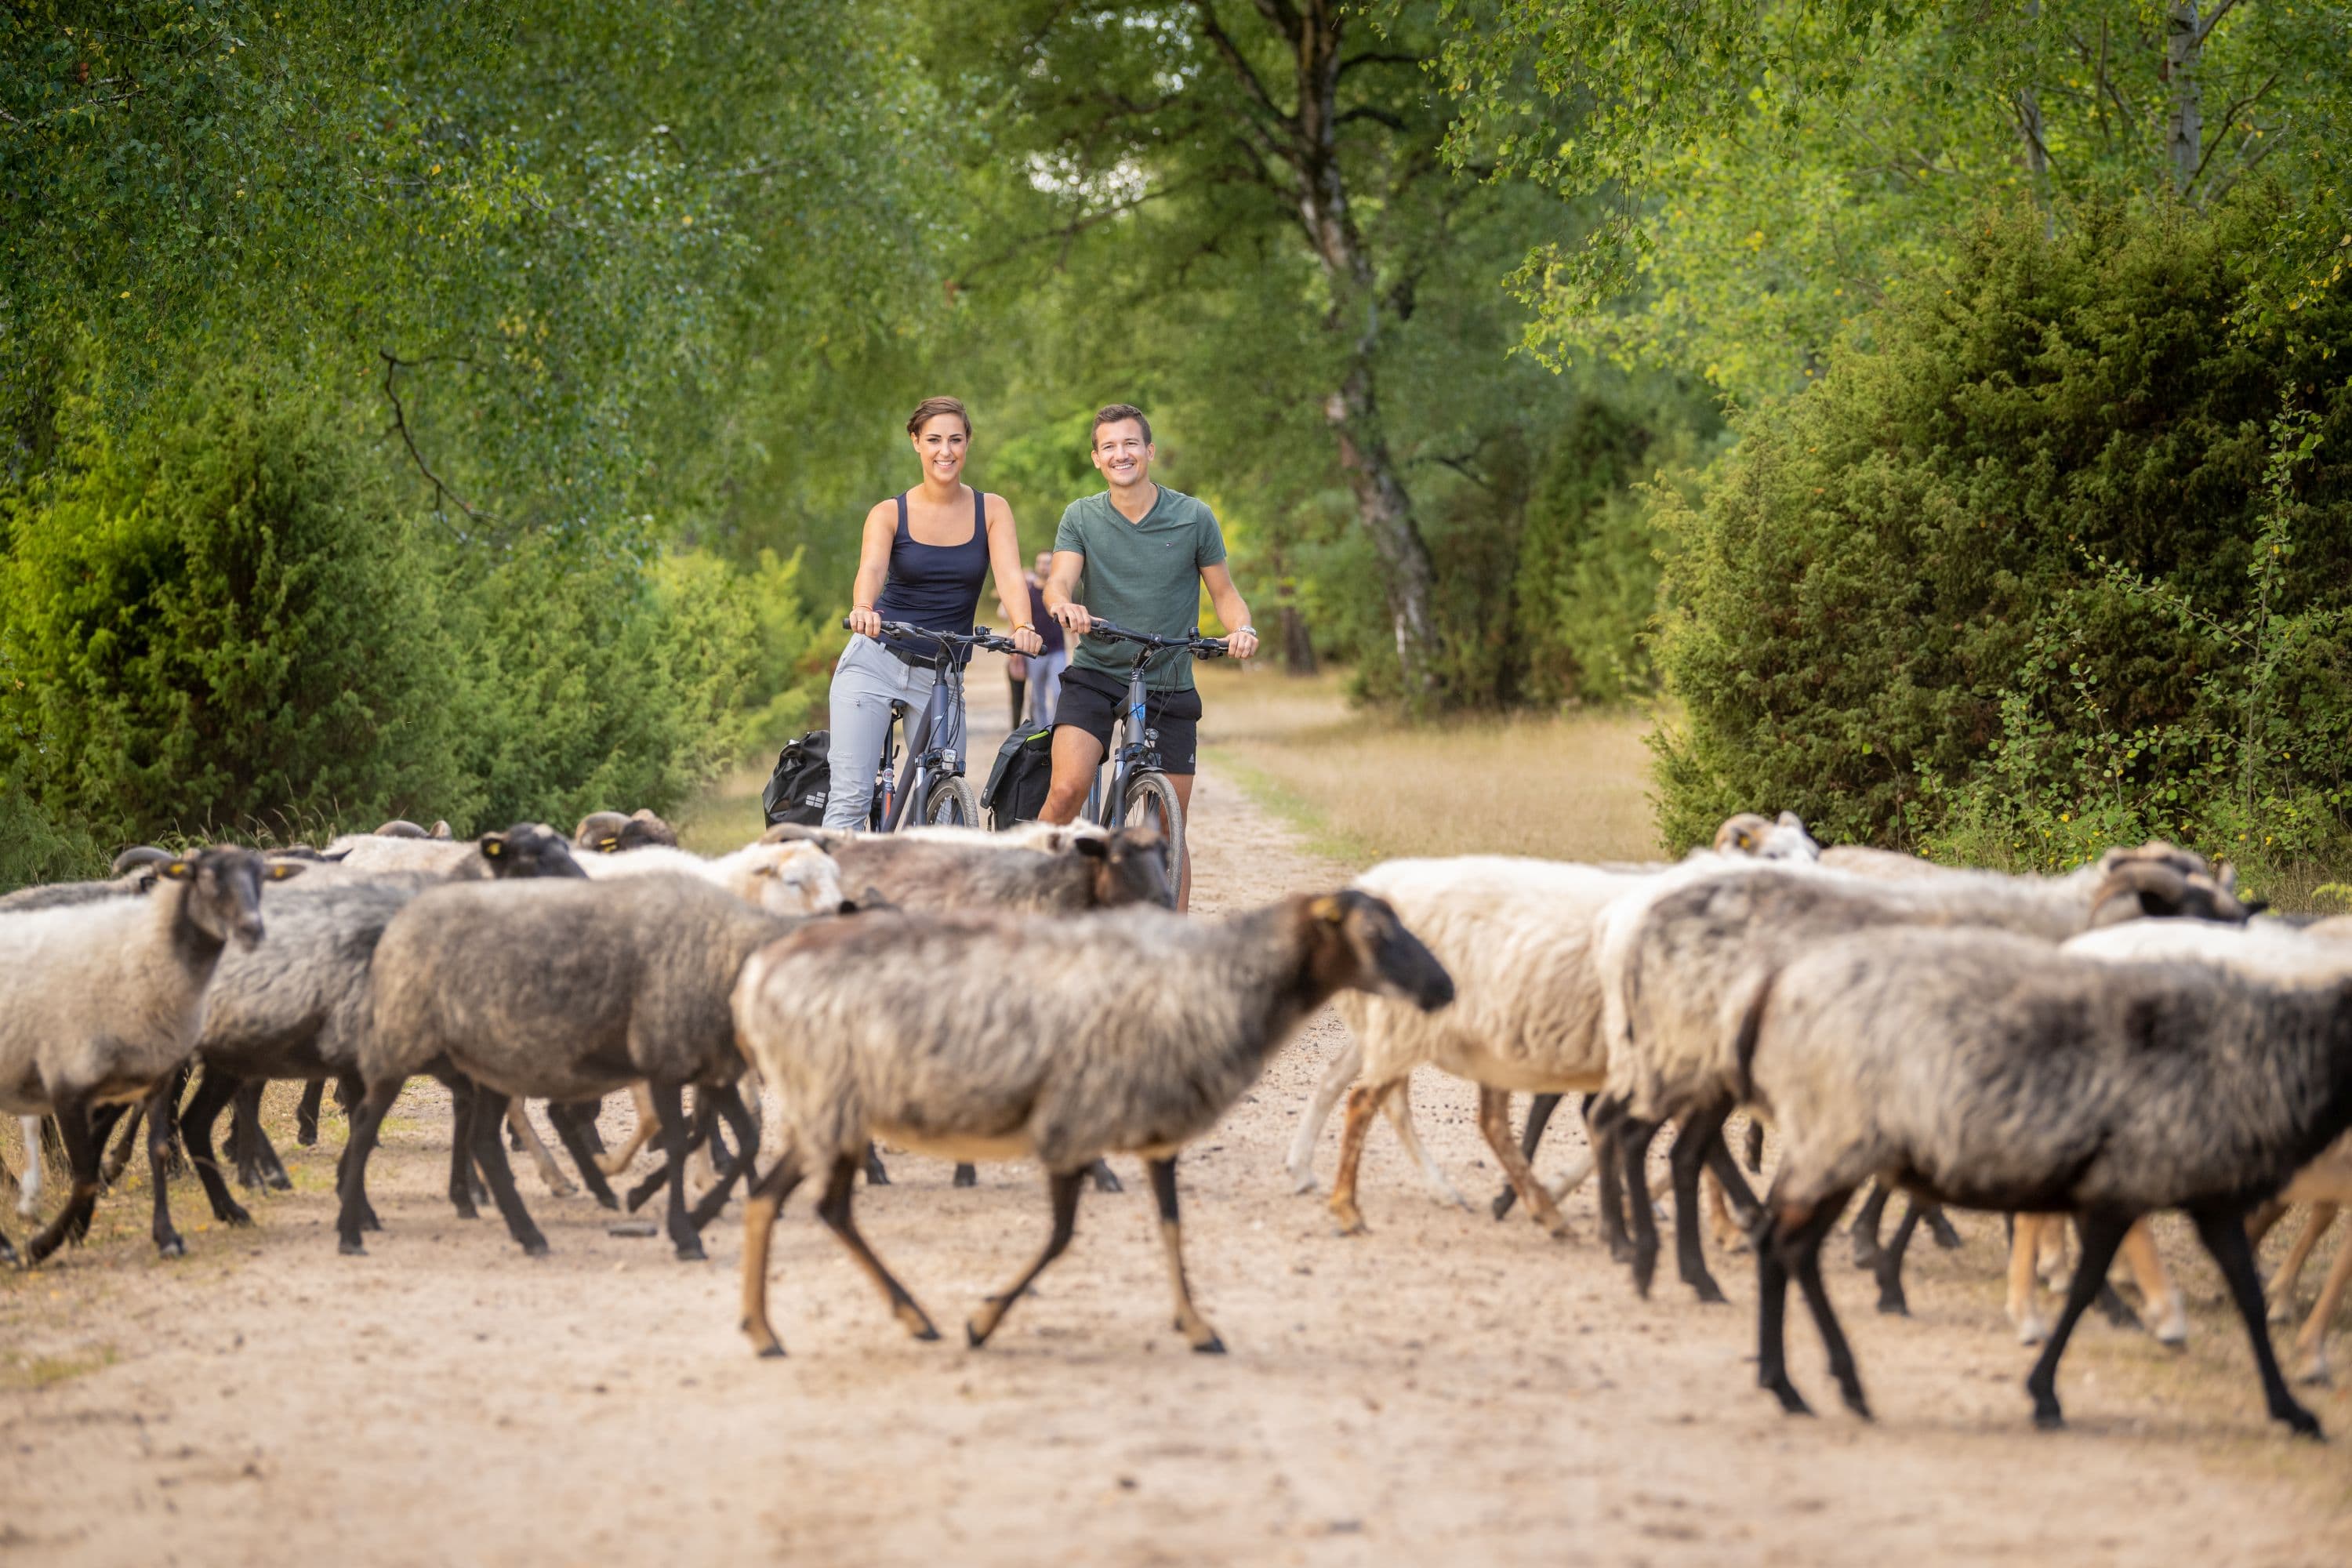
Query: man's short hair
(1112, 413)
(930, 408)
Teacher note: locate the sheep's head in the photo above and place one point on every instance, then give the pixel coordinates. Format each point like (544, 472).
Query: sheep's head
(528, 850)
(600, 831)
(2155, 887)
(1359, 943)
(1783, 838)
(1130, 867)
(793, 879)
(224, 889)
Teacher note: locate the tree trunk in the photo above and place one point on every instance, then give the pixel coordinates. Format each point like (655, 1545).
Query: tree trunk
(2037, 150)
(1298, 647)
(2184, 40)
(1386, 512)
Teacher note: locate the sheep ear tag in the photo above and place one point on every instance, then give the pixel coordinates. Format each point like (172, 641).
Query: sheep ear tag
(1745, 840)
(280, 869)
(493, 847)
(606, 846)
(178, 870)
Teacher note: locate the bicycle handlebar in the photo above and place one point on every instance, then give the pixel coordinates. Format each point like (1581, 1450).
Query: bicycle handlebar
(979, 636)
(1206, 648)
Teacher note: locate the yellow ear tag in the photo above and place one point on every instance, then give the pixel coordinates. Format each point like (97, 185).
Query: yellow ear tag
(1327, 908)
(494, 848)
(608, 845)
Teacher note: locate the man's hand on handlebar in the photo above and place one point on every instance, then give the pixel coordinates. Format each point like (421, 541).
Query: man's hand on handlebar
(1241, 644)
(1073, 618)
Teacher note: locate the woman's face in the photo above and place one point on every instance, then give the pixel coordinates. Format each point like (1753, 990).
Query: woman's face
(941, 443)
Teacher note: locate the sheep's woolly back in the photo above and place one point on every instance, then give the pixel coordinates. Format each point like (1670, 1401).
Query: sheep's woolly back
(80, 979)
(785, 879)
(1516, 936)
(2269, 951)
(1130, 1030)
(299, 999)
(381, 852)
(1999, 1072)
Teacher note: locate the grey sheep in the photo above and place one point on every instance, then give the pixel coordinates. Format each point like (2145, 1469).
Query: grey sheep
(298, 1009)
(1993, 1072)
(609, 832)
(1138, 1030)
(564, 990)
(100, 1005)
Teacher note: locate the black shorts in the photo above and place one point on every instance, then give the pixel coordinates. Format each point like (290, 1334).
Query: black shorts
(1093, 702)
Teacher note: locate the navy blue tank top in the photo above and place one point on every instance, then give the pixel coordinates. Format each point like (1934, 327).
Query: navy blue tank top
(935, 585)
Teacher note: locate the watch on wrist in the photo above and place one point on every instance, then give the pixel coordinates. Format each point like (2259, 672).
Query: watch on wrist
(1239, 631)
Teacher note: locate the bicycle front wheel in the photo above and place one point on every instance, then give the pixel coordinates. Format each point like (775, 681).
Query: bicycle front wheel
(951, 804)
(1150, 802)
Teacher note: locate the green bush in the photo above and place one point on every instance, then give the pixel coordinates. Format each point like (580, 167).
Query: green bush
(221, 624)
(2064, 558)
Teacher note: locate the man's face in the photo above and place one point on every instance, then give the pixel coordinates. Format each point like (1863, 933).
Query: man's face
(1044, 566)
(1121, 454)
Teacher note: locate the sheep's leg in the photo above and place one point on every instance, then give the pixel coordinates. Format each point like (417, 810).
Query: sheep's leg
(1864, 1229)
(583, 1114)
(2222, 1229)
(1940, 1229)
(648, 1128)
(2323, 1215)
(572, 1131)
(1189, 1321)
(1345, 1065)
(1727, 1233)
(1106, 1180)
(1889, 1267)
(464, 1190)
(1602, 1121)
(213, 1092)
(1772, 1316)
(1754, 1139)
(2024, 1250)
(28, 1186)
(2155, 1286)
(677, 1137)
(528, 1140)
(349, 1094)
(2102, 1232)
(2311, 1343)
(834, 1211)
(1701, 1131)
(1363, 1099)
(161, 1124)
(306, 1114)
(768, 1195)
(1495, 1121)
(2111, 1305)
(257, 1163)
(83, 1149)
(1634, 1156)
(1540, 1111)
(110, 1170)
(879, 1176)
(7, 1252)
(1399, 1106)
(1804, 1244)
(1062, 1191)
(490, 1154)
(743, 1163)
(967, 1174)
(706, 1151)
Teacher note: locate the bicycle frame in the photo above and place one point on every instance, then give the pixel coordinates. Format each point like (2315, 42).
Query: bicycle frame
(940, 751)
(1135, 747)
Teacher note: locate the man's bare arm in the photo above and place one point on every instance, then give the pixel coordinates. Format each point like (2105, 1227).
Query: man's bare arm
(1060, 583)
(1241, 641)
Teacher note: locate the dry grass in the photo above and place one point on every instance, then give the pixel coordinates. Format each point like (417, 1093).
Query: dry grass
(1364, 788)
(726, 817)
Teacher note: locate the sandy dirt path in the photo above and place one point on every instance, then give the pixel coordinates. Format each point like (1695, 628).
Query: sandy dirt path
(1444, 1387)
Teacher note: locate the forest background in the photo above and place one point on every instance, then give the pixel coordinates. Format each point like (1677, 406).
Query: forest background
(465, 410)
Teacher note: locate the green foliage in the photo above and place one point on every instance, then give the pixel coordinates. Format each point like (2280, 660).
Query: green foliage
(2063, 560)
(219, 623)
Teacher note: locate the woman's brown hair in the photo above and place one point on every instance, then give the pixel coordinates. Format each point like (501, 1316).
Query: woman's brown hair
(930, 408)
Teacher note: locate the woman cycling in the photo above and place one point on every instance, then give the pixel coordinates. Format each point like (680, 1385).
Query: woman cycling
(921, 562)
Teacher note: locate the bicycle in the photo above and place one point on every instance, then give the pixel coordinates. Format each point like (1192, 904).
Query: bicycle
(1146, 796)
(935, 742)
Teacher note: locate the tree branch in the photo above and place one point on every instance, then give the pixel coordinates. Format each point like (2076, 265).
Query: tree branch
(1380, 116)
(1239, 65)
(392, 363)
(2213, 21)
(2221, 127)
(1380, 58)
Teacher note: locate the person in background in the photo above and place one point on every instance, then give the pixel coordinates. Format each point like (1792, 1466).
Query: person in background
(924, 555)
(1138, 554)
(1045, 669)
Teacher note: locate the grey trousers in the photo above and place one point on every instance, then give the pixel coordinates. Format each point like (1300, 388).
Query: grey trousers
(867, 684)
(1046, 684)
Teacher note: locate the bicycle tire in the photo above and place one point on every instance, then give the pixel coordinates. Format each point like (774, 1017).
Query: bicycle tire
(951, 804)
(1149, 801)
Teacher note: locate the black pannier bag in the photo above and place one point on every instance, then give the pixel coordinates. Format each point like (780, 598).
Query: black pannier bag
(804, 777)
(1017, 784)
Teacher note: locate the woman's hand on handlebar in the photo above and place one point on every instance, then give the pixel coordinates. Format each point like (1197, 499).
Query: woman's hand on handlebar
(1073, 618)
(1027, 641)
(864, 623)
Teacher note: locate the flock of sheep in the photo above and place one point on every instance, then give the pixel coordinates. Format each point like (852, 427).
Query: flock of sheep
(2128, 1039)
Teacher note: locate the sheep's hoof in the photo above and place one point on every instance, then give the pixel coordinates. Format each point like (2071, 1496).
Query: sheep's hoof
(1209, 1346)
(974, 1335)
(1708, 1292)
(1866, 1253)
(2032, 1332)
(772, 1351)
(1894, 1307)
(966, 1176)
(1945, 1234)
(2050, 1420)
(1859, 1405)
(352, 1246)
(690, 1250)
(1302, 1182)
(605, 1200)
(2282, 1311)
(279, 1181)
(171, 1246)
(1791, 1402)
(2304, 1423)
(234, 1215)
(535, 1247)
(2315, 1375)
(464, 1207)
(1503, 1201)
(1106, 1179)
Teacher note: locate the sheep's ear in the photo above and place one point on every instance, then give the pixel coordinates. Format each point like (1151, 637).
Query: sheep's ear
(1329, 909)
(1744, 839)
(178, 870)
(494, 846)
(280, 869)
(1092, 848)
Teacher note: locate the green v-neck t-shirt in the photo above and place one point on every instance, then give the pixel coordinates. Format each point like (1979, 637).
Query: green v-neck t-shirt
(1145, 577)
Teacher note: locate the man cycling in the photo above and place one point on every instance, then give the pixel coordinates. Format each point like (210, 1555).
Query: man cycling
(1138, 554)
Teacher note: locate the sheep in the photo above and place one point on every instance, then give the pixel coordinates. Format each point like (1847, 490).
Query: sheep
(782, 878)
(28, 1185)
(297, 1009)
(1514, 930)
(99, 1003)
(1992, 1070)
(2327, 1184)
(1679, 960)
(1039, 866)
(1140, 1028)
(564, 990)
(607, 832)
